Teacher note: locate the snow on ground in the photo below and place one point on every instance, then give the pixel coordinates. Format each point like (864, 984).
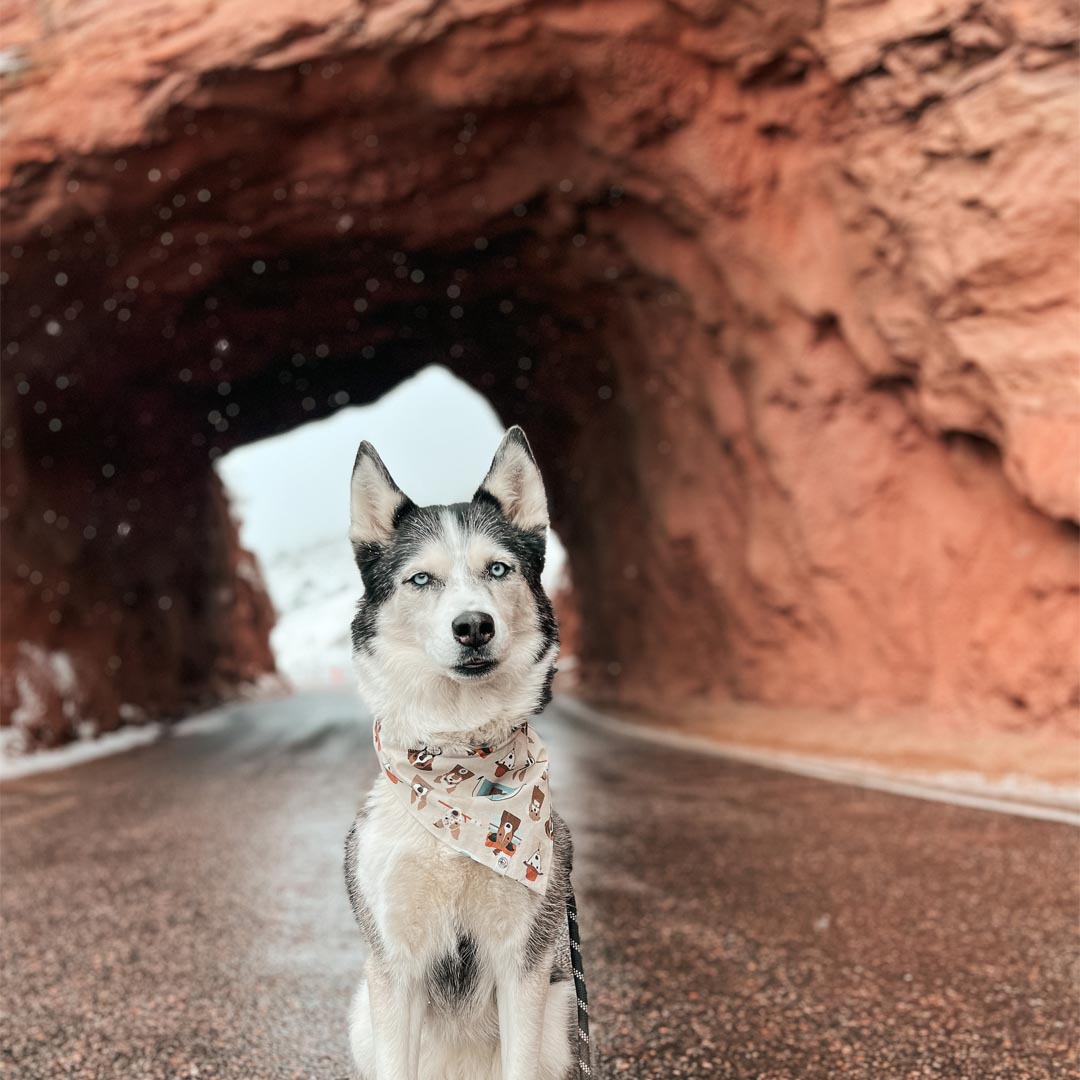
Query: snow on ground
(40, 677)
(291, 494)
(14, 763)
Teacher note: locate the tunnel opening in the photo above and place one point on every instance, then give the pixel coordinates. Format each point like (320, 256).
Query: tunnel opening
(600, 232)
(289, 494)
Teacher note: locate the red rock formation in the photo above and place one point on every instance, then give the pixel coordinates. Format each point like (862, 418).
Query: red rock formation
(126, 594)
(786, 298)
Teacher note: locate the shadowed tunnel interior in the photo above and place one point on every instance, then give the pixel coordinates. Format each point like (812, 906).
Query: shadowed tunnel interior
(694, 271)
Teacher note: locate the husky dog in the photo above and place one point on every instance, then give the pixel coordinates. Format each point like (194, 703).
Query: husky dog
(454, 642)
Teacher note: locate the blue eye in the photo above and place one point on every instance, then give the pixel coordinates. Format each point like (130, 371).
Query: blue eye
(498, 569)
(420, 580)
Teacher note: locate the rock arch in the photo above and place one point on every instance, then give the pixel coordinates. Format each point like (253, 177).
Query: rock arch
(786, 302)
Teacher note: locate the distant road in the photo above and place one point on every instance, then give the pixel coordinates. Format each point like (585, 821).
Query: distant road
(179, 911)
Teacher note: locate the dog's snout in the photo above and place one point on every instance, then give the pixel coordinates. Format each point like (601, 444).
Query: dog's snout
(474, 628)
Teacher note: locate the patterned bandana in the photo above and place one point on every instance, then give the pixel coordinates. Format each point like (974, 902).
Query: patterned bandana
(488, 802)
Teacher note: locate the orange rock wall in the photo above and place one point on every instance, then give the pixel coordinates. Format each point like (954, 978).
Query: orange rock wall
(786, 300)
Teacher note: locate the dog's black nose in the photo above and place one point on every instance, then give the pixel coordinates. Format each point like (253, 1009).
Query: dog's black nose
(474, 628)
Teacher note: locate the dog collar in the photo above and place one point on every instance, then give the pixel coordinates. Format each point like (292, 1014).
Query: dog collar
(490, 803)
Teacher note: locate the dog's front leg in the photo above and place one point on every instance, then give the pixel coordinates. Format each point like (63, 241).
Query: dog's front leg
(522, 997)
(397, 1019)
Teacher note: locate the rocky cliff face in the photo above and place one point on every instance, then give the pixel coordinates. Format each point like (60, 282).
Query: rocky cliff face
(785, 299)
(133, 600)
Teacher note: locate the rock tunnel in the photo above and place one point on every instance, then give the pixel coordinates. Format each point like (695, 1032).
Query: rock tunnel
(809, 425)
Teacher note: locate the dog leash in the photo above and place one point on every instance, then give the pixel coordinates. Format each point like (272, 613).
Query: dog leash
(584, 1065)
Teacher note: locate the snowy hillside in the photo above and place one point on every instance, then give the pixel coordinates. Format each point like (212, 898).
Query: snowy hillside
(314, 590)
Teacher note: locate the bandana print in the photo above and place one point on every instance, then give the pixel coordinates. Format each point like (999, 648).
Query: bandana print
(488, 802)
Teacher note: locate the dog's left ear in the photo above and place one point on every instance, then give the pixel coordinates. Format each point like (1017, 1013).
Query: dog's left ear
(514, 482)
(376, 502)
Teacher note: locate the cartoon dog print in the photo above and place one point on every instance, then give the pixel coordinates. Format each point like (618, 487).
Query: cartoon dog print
(454, 777)
(533, 868)
(378, 736)
(549, 830)
(536, 803)
(479, 751)
(390, 774)
(502, 839)
(419, 793)
(530, 761)
(453, 819)
(423, 758)
(489, 789)
(504, 764)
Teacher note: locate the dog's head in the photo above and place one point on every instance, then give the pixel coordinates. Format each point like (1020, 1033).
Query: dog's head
(454, 616)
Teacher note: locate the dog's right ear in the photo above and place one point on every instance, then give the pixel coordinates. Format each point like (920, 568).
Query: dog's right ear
(377, 503)
(514, 482)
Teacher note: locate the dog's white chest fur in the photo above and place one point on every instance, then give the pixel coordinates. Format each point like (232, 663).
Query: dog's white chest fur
(423, 895)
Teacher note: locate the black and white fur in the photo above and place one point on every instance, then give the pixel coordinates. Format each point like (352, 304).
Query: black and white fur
(468, 976)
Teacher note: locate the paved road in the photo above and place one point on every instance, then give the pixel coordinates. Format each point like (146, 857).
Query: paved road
(178, 911)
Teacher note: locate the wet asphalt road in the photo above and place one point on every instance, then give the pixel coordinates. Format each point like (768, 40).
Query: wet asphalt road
(179, 911)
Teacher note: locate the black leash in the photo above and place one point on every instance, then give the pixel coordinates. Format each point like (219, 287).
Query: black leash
(584, 1065)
